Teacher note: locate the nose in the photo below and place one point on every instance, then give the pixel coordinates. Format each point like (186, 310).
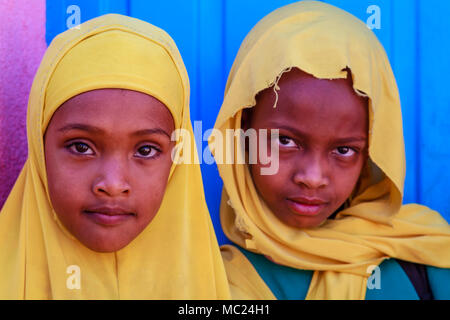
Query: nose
(312, 173)
(112, 179)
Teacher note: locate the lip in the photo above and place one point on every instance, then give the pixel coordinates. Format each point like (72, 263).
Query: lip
(306, 206)
(108, 216)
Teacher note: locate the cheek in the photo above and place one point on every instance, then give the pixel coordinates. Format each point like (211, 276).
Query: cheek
(346, 180)
(65, 184)
(149, 184)
(269, 186)
(68, 192)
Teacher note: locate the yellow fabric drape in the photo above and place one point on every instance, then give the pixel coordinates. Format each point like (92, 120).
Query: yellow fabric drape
(177, 255)
(323, 40)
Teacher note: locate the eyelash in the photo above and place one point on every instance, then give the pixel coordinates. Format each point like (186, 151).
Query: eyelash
(352, 149)
(72, 147)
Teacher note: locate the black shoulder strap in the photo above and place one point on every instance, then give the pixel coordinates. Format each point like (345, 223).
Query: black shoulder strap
(418, 276)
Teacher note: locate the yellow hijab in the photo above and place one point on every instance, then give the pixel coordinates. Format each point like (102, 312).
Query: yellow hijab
(323, 40)
(176, 256)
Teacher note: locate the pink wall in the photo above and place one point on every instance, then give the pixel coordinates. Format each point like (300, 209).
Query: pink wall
(22, 45)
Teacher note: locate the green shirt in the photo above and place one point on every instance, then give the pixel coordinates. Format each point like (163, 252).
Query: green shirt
(292, 284)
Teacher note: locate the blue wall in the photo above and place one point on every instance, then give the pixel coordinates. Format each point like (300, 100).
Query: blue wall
(208, 33)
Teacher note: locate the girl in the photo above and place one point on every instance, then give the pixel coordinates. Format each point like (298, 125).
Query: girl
(99, 210)
(319, 82)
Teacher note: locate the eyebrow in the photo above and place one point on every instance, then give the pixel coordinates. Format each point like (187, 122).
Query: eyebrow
(151, 131)
(300, 133)
(96, 130)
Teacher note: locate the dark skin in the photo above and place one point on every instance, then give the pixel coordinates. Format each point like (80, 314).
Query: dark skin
(108, 158)
(323, 131)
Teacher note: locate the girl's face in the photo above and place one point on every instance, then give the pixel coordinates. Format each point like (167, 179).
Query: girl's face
(108, 158)
(323, 126)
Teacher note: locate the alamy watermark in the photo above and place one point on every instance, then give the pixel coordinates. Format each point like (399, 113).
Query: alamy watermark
(234, 146)
(74, 17)
(374, 20)
(374, 281)
(73, 281)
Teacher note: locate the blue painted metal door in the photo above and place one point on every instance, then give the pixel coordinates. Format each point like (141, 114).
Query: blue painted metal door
(208, 33)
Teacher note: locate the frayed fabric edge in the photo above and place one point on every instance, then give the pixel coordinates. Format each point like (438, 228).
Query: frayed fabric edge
(276, 88)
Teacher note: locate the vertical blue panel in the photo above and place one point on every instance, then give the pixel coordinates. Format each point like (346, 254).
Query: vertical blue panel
(404, 63)
(434, 64)
(209, 92)
(56, 19)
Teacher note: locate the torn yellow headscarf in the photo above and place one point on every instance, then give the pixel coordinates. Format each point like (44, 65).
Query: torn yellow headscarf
(323, 41)
(177, 255)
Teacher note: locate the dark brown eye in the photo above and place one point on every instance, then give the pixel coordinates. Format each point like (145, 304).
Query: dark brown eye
(80, 148)
(147, 151)
(286, 141)
(345, 151)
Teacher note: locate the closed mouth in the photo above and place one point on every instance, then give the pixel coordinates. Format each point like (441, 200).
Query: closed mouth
(306, 206)
(109, 211)
(109, 216)
(308, 201)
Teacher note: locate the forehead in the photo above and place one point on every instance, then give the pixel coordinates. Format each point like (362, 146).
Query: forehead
(315, 106)
(114, 108)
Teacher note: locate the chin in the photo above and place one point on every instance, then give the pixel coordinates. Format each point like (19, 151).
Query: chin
(105, 245)
(303, 222)
(306, 225)
(105, 249)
